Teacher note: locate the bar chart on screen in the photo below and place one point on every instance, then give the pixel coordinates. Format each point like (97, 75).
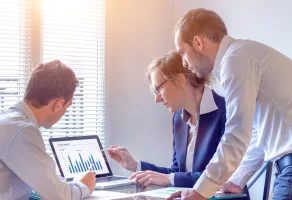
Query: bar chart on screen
(77, 157)
(83, 165)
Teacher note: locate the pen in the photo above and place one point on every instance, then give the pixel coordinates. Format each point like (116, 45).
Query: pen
(119, 148)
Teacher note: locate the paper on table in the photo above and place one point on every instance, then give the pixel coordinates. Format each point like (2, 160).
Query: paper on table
(162, 193)
(166, 192)
(140, 197)
(106, 195)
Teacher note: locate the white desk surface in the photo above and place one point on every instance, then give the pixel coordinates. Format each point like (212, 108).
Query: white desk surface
(106, 195)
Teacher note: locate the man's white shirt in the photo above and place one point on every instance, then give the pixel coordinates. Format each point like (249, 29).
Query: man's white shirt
(258, 91)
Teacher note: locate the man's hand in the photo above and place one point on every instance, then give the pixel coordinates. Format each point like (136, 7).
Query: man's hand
(189, 194)
(147, 178)
(89, 180)
(123, 157)
(232, 188)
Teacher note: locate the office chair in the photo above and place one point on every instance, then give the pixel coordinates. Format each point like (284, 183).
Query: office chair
(268, 168)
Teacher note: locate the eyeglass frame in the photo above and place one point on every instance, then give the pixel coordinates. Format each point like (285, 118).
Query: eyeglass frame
(158, 88)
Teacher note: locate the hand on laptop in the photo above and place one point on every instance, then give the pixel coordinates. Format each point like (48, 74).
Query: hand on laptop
(123, 157)
(88, 179)
(147, 178)
(232, 188)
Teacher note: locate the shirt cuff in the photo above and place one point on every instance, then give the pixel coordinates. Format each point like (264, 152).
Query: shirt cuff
(171, 179)
(139, 166)
(239, 178)
(85, 190)
(206, 187)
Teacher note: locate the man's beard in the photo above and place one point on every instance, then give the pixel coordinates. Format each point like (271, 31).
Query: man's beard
(204, 65)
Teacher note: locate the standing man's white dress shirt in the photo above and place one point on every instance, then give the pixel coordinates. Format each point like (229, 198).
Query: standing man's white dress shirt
(258, 85)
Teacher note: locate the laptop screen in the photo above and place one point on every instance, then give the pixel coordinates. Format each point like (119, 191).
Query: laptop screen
(78, 155)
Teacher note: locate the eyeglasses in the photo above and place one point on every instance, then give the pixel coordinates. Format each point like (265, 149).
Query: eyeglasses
(158, 88)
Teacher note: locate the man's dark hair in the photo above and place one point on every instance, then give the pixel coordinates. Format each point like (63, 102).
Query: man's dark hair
(49, 81)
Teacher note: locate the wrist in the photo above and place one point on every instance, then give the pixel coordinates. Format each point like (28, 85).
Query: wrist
(167, 179)
(134, 165)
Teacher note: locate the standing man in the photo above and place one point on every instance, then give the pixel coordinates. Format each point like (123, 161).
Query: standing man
(258, 87)
(24, 163)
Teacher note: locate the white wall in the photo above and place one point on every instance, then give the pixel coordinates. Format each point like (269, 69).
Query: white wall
(266, 21)
(137, 31)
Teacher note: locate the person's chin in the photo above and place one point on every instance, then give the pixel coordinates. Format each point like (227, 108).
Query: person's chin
(197, 73)
(193, 70)
(47, 126)
(200, 75)
(172, 110)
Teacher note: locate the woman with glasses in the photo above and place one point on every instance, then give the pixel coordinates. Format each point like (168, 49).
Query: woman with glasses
(198, 124)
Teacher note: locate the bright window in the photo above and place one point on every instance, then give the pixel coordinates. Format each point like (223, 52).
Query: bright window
(15, 50)
(72, 31)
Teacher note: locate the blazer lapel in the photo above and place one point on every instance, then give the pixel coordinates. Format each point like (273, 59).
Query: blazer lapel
(204, 138)
(181, 145)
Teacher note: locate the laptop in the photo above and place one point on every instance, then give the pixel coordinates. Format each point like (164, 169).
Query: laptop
(76, 155)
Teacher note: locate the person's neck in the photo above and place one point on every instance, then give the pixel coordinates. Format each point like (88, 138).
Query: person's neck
(214, 51)
(38, 113)
(193, 101)
(211, 49)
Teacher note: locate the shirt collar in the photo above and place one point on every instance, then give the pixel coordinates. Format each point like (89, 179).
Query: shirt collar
(224, 44)
(21, 105)
(207, 105)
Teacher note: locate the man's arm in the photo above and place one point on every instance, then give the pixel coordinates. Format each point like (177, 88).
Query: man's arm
(252, 161)
(240, 81)
(27, 158)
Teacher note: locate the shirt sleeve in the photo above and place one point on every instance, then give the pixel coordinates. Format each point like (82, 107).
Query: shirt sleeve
(139, 166)
(252, 161)
(27, 158)
(171, 179)
(240, 80)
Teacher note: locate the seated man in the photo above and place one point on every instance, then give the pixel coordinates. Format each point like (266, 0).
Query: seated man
(24, 163)
(198, 124)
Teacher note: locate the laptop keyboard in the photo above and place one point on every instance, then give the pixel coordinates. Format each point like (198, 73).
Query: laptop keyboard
(110, 178)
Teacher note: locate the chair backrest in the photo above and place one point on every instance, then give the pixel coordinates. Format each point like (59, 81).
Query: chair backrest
(268, 168)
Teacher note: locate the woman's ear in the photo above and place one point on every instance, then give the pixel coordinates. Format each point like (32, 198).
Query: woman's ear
(181, 80)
